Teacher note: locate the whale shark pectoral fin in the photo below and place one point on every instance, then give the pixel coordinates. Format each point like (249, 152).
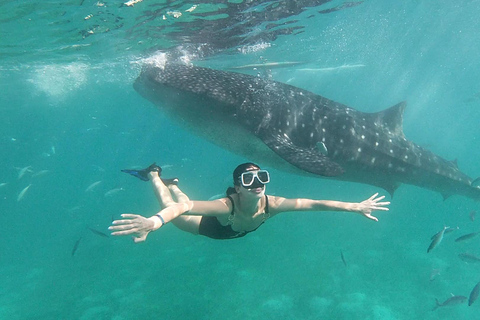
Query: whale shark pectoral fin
(308, 159)
(389, 187)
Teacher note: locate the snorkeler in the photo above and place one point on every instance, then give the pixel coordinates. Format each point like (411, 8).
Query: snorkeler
(245, 208)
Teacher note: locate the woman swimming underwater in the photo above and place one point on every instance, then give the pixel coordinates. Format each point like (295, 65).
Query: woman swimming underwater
(245, 208)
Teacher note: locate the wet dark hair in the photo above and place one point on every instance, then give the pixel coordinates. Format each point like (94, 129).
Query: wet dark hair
(238, 172)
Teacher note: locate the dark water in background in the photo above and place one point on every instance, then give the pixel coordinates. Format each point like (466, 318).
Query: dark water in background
(68, 106)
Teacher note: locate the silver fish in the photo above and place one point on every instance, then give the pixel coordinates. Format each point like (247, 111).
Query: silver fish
(322, 148)
(269, 65)
(346, 66)
(99, 233)
(113, 192)
(452, 301)
(75, 246)
(466, 236)
(343, 258)
(467, 257)
(474, 294)
(22, 193)
(437, 239)
(448, 230)
(22, 171)
(93, 185)
(3, 184)
(40, 173)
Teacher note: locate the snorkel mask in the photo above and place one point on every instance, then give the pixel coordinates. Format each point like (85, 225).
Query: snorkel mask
(254, 179)
(250, 176)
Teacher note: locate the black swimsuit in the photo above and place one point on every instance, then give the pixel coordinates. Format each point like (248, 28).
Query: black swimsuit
(212, 228)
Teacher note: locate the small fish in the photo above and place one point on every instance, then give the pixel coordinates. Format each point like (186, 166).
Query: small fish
(452, 301)
(22, 193)
(112, 192)
(472, 215)
(268, 65)
(466, 236)
(448, 230)
(346, 66)
(436, 239)
(98, 233)
(53, 149)
(3, 184)
(75, 246)
(93, 185)
(322, 148)
(23, 171)
(343, 258)
(40, 173)
(474, 294)
(434, 274)
(467, 257)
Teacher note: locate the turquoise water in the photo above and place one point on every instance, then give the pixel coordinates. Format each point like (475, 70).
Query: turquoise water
(68, 107)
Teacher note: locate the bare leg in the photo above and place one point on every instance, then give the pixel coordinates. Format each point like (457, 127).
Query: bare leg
(161, 191)
(164, 195)
(184, 222)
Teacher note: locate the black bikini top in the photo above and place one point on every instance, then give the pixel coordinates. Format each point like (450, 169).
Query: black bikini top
(237, 234)
(212, 228)
(233, 207)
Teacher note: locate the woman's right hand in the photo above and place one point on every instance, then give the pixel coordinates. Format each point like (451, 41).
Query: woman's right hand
(366, 207)
(133, 224)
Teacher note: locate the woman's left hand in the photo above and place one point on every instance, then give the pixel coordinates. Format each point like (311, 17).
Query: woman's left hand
(366, 207)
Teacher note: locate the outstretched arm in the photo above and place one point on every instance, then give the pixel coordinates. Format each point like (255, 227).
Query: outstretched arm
(139, 227)
(365, 207)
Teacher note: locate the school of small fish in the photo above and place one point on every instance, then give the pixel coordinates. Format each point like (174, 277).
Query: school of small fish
(436, 239)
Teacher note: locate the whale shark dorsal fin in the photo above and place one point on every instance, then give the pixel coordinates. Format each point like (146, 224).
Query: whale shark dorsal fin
(392, 118)
(308, 159)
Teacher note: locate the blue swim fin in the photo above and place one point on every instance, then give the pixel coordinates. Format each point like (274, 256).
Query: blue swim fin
(142, 174)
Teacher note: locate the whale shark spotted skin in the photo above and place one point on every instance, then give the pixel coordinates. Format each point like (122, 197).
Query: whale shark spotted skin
(296, 130)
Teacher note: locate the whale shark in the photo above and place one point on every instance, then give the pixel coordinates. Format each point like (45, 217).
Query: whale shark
(292, 129)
